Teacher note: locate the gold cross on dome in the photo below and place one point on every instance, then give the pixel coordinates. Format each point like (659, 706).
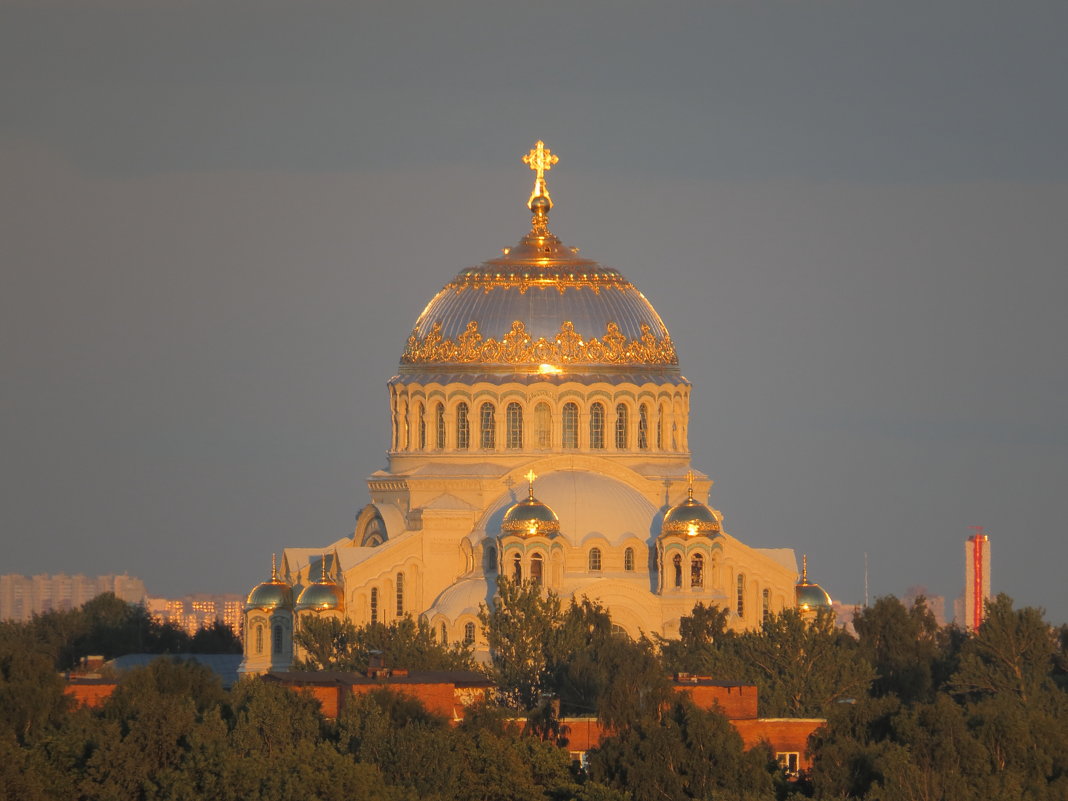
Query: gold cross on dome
(530, 476)
(540, 159)
(689, 481)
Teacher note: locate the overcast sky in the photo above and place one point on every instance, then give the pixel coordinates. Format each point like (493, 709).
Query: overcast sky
(218, 222)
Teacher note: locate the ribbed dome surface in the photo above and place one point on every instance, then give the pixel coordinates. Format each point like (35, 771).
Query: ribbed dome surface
(530, 517)
(321, 595)
(691, 517)
(540, 304)
(270, 595)
(812, 596)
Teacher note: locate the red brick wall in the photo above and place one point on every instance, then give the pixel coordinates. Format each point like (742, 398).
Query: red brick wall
(92, 695)
(437, 698)
(582, 733)
(782, 734)
(734, 702)
(328, 696)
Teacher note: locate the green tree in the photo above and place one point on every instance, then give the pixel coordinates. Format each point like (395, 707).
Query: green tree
(31, 694)
(688, 753)
(332, 644)
(902, 644)
(147, 730)
(216, 638)
(520, 624)
(803, 667)
(1012, 653)
(705, 647)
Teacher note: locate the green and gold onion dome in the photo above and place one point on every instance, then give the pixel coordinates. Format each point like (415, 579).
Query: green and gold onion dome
(810, 596)
(322, 595)
(530, 517)
(539, 308)
(691, 517)
(273, 594)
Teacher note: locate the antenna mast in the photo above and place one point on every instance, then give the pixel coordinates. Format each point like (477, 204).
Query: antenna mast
(865, 579)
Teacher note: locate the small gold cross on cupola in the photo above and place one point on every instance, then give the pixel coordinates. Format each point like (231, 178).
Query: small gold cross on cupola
(541, 160)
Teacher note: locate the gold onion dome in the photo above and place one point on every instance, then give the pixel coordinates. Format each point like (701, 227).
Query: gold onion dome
(273, 594)
(691, 517)
(540, 307)
(530, 517)
(809, 595)
(321, 596)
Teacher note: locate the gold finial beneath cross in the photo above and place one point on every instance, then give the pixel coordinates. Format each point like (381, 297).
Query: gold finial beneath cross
(804, 568)
(530, 476)
(689, 482)
(274, 567)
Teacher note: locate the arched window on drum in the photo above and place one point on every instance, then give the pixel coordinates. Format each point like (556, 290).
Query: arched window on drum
(543, 426)
(439, 426)
(514, 419)
(622, 427)
(697, 571)
(463, 427)
(597, 426)
(570, 425)
(487, 424)
(643, 427)
(421, 422)
(536, 568)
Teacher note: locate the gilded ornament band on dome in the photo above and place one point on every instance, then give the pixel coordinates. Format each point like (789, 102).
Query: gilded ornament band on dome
(690, 527)
(530, 528)
(518, 347)
(560, 281)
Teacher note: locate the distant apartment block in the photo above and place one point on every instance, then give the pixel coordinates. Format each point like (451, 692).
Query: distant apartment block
(193, 612)
(22, 597)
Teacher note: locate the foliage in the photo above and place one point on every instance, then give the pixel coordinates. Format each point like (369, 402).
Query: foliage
(934, 714)
(1012, 653)
(521, 625)
(705, 647)
(331, 644)
(902, 646)
(687, 753)
(802, 667)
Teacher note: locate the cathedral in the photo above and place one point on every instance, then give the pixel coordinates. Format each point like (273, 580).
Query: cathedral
(539, 431)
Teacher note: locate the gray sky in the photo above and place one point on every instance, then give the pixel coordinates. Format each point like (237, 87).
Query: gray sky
(218, 222)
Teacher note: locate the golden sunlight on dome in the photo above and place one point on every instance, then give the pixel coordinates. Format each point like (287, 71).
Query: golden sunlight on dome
(539, 305)
(691, 517)
(810, 596)
(273, 594)
(322, 595)
(530, 517)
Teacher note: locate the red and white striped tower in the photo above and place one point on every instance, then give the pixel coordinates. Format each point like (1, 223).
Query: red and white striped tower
(976, 577)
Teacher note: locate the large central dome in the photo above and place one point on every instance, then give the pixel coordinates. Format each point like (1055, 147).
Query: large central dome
(539, 307)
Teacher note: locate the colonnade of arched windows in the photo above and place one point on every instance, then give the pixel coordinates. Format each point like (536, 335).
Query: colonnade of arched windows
(623, 426)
